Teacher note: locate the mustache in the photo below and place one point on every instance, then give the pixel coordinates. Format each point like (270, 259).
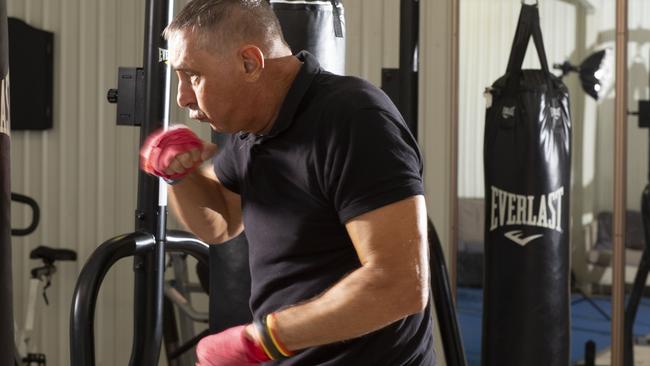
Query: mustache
(197, 114)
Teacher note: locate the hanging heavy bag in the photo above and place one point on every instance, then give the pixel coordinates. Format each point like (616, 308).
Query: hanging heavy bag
(527, 161)
(316, 26)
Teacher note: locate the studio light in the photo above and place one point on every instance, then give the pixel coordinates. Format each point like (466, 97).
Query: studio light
(595, 72)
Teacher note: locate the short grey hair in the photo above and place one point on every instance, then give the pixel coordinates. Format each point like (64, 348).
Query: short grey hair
(220, 22)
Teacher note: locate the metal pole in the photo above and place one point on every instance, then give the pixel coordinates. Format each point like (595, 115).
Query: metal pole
(639, 281)
(408, 64)
(620, 180)
(151, 214)
(7, 347)
(452, 342)
(453, 146)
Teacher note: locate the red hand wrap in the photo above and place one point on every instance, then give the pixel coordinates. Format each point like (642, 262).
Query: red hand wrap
(230, 348)
(160, 148)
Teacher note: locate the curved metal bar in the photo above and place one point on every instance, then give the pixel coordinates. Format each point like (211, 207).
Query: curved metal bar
(182, 241)
(84, 300)
(442, 296)
(36, 214)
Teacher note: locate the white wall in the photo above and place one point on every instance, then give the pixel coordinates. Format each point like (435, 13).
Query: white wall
(603, 35)
(83, 171)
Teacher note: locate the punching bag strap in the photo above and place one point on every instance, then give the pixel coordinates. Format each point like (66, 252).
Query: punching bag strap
(338, 23)
(522, 37)
(539, 45)
(527, 26)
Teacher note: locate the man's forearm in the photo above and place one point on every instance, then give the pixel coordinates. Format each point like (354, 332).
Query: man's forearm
(199, 204)
(364, 301)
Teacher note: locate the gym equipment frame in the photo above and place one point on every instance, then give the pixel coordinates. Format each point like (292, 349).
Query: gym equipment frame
(150, 240)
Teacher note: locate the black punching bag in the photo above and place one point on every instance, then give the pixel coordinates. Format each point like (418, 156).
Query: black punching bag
(314, 26)
(6, 306)
(317, 27)
(527, 161)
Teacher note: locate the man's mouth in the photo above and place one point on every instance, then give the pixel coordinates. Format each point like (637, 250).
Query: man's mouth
(198, 116)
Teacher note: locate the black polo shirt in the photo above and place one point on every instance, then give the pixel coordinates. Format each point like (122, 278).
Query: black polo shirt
(338, 149)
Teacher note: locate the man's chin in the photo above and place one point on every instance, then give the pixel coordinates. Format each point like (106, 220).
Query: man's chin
(212, 125)
(218, 129)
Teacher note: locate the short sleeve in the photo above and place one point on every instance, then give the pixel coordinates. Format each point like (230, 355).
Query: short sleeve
(370, 160)
(225, 166)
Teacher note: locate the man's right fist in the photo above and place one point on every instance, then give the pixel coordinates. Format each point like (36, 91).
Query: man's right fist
(174, 153)
(232, 347)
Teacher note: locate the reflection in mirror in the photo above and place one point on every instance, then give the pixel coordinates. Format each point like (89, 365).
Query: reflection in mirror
(573, 31)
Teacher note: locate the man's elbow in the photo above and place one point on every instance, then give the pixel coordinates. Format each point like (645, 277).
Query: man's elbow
(408, 294)
(418, 297)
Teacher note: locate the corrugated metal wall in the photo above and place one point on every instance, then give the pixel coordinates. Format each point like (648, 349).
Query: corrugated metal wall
(83, 171)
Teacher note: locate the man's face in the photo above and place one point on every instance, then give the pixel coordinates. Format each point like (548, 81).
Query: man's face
(209, 82)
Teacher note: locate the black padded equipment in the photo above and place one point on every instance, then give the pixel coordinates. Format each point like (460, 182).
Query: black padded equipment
(50, 255)
(527, 157)
(317, 27)
(7, 348)
(32, 76)
(230, 284)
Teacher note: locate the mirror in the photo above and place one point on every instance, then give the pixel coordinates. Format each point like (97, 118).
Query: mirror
(573, 30)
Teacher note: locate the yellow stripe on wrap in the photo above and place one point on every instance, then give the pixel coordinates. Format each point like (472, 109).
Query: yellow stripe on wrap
(276, 343)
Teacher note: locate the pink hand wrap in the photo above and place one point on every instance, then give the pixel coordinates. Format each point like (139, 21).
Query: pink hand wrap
(229, 348)
(162, 146)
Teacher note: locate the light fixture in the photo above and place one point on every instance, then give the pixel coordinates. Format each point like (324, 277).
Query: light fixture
(595, 72)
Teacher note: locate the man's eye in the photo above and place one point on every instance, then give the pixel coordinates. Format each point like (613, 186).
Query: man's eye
(192, 77)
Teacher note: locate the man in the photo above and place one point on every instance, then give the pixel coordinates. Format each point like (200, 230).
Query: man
(324, 176)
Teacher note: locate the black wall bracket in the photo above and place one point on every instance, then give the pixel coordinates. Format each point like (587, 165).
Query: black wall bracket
(129, 96)
(644, 113)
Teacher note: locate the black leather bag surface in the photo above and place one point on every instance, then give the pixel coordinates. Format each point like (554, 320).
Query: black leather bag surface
(527, 161)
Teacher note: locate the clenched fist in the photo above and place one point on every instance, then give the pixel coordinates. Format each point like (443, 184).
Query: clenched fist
(174, 153)
(232, 347)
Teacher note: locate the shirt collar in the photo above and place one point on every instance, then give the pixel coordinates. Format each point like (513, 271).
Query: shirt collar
(309, 69)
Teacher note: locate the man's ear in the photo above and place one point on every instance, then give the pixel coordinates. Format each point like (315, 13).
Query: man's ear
(252, 61)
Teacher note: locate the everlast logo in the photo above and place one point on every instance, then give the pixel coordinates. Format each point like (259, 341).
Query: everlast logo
(556, 113)
(543, 211)
(508, 112)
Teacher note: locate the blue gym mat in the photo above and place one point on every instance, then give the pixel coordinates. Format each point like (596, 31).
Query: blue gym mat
(586, 323)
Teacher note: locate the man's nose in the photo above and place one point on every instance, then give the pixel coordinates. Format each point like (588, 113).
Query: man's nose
(185, 96)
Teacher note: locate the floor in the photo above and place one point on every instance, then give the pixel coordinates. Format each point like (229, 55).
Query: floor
(587, 323)
(641, 356)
